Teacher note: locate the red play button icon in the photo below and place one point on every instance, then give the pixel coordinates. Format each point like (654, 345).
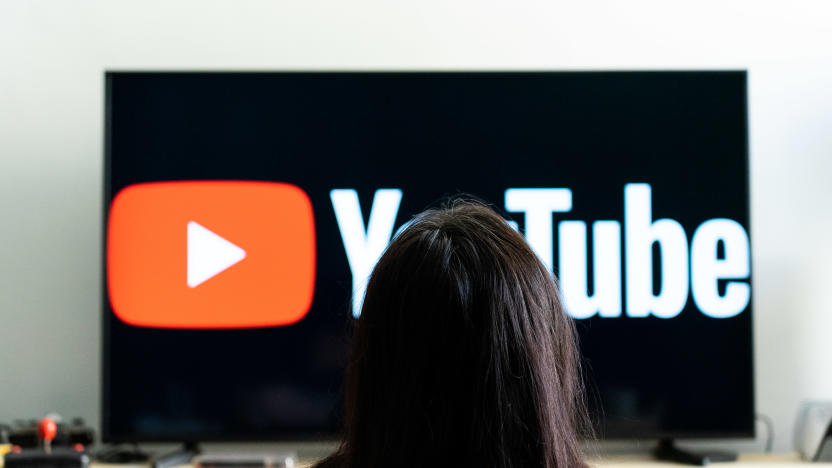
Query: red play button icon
(211, 254)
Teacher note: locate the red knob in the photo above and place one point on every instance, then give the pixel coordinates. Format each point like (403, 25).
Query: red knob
(47, 429)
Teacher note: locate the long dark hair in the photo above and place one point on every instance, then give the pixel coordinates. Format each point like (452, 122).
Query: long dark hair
(462, 355)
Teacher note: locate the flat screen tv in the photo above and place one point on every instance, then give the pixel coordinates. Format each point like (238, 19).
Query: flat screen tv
(243, 212)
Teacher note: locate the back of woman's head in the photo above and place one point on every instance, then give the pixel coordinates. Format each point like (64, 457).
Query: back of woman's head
(462, 354)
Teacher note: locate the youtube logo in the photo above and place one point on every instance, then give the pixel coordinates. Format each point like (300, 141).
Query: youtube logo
(211, 254)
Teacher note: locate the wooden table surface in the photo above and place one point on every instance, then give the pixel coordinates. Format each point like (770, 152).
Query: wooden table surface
(632, 461)
(745, 460)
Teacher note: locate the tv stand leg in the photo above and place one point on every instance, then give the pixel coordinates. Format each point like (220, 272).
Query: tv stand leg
(182, 456)
(669, 452)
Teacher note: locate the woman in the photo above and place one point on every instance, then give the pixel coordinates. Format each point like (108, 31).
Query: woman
(462, 355)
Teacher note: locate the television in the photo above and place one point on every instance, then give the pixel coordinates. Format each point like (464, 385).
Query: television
(244, 211)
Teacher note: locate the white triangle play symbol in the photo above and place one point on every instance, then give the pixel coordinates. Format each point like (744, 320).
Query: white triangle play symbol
(208, 254)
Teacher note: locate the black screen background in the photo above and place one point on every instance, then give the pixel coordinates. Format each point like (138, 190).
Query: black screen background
(430, 134)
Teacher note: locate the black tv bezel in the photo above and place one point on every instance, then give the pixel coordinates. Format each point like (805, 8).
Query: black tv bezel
(300, 436)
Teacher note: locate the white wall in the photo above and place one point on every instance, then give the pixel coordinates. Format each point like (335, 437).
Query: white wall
(53, 53)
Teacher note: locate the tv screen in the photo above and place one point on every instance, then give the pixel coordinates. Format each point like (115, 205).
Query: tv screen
(244, 212)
